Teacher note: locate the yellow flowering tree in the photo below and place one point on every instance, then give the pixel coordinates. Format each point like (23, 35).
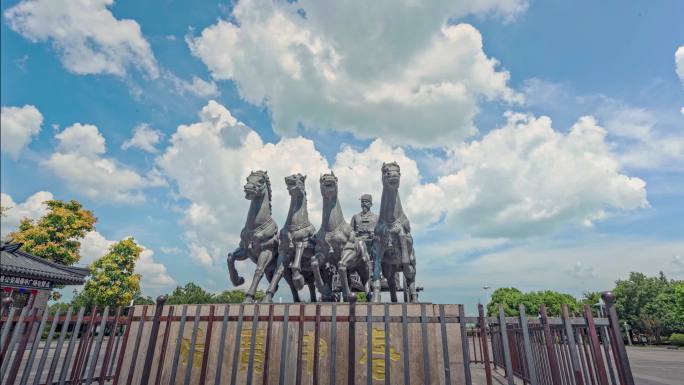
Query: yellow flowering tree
(112, 279)
(55, 236)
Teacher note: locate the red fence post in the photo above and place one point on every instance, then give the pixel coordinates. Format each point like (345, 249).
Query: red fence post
(485, 347)
(152, 343)
(609, 299)
(550, 351)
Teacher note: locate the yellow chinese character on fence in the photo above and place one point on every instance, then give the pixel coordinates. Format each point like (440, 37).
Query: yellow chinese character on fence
(308, 349)
(199, 349)
(378, 354)
(259, 349)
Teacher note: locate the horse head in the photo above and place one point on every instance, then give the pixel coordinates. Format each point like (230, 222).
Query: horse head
(391, 175)
(295, 184)
(258, 184)
(328, 185)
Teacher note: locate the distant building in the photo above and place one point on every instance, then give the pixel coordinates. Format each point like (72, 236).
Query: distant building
(28, 279)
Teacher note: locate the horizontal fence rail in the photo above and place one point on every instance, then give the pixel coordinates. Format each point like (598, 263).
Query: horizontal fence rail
(320, 343)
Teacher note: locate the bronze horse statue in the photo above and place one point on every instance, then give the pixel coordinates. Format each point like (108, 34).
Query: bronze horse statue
(336, 246)
(393, 244)
(259, 237)
(296, 244)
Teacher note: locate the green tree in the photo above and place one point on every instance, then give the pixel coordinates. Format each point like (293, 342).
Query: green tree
(56, 235)
(112, 280)
(236, 296)
(651, 305)
(191, 293)
(511, 298)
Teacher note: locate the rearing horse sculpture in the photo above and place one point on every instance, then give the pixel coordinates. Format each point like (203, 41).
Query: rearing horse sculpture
(296, 244)
(259, 237)
(336, 247)
(393, 244)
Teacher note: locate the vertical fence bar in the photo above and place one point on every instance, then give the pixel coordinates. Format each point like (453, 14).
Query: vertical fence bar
(267, 347)
(609, 299)
(165, 343)
(236, 349)
(18, 357)
(351, 362)
(317, 337)
(46, 348)
(98, 345)
(405, 342)
(83, 346)
(424, 338)
(6, 328)
(152, 342)
(606, 352)
(283, 346)
(222, 340)
(108, 350)
(572, 346)
(18, 329)
(252, 342)
(550, 351)
(58, 349)
(136, 347)
(193, 344)
(34, 348)
(386, 318)
(207, 343)
(485, 348)
(179, 340)
(464, 342)
(504, 346)
(300, 342)
(122, 352)
(333, 343)
(369, 345)
(532, 370)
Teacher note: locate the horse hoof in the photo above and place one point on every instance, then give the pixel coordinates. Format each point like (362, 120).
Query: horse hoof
(268, 298)
(248, 300)
(239, 281)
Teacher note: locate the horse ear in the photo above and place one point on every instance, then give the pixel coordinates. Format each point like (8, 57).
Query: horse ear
(304, 177)
(332, 172)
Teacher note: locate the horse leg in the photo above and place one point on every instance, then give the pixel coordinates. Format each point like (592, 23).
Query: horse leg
(263, 261)
(410, 274)
(237, 255)
(312, 290)
(293, 288)
(273, 285)
(342, 270)
(378, 252)
(296, 266)
(388, 271)
(318, 279)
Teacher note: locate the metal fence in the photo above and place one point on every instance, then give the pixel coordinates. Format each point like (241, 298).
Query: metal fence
(297, 344)
(565, 350)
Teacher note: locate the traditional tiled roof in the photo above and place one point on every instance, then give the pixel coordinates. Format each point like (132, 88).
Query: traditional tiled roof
(21, 264)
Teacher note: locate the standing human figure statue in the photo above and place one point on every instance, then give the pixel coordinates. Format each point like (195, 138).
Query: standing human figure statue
(296, 246)
(336, 247)
(259, 236)
(363, 224)
(393, 244)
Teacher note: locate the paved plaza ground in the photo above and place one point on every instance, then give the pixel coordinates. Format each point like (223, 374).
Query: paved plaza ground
(656, 366)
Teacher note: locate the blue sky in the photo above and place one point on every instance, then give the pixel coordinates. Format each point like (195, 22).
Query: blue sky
(541, 143)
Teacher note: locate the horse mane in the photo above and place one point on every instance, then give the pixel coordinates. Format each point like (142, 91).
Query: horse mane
(264, 174)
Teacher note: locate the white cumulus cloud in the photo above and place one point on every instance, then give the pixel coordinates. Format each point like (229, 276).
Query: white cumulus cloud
(80, 163)
(18, 126)
(144, 137)
(526, 178)
(523, 179)
(87, 37)
(401, 72)
(32, 208)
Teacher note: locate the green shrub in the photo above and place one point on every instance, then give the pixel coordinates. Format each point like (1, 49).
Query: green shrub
(677, 339)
